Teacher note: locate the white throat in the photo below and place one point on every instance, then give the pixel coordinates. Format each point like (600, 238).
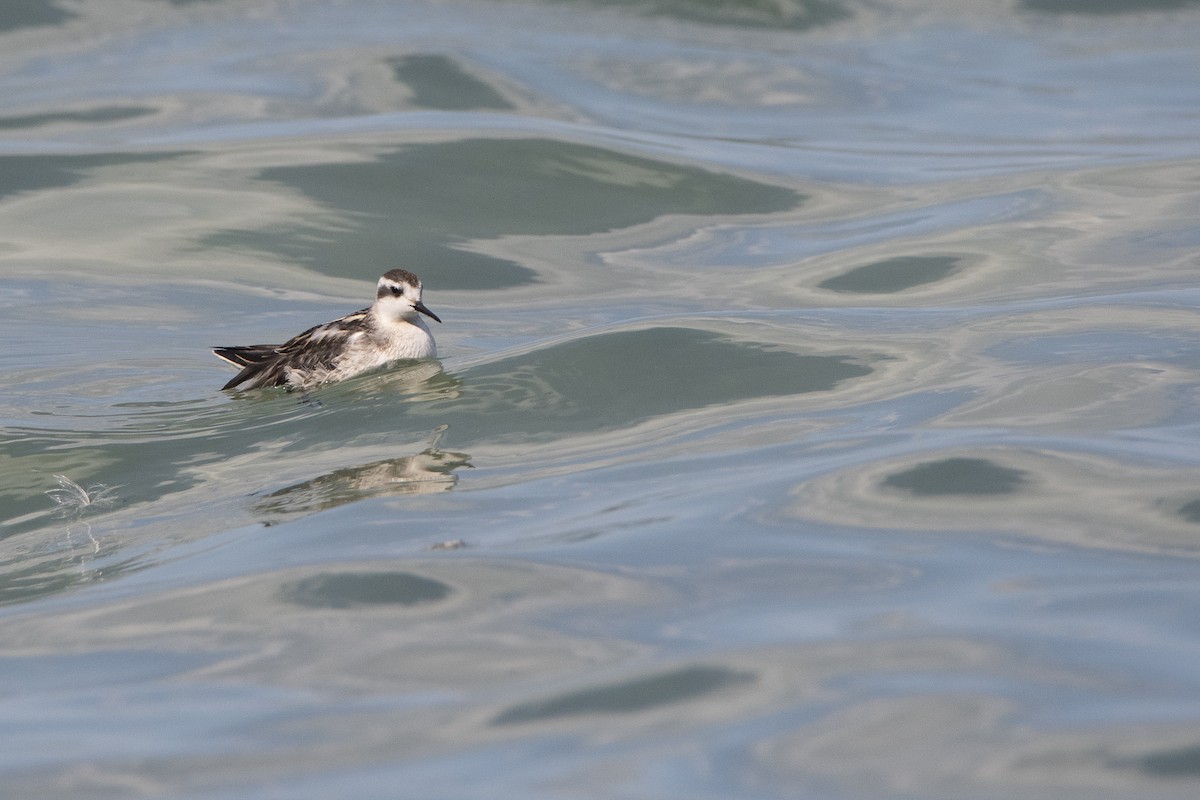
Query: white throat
(401, 332)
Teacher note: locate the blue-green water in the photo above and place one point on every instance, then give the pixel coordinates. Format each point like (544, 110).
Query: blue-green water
(817, 414)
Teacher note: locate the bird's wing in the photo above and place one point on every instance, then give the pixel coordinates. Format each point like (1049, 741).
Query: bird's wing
(324, 342)
(318, 348)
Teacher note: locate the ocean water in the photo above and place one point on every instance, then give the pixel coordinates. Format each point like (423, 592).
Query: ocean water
(817, 414)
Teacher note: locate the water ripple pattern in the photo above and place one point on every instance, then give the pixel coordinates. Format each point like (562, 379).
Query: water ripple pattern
(816, 417)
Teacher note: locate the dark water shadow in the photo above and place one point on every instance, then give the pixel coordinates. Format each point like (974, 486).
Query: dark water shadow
(345, 590)
(628, 697)
(415, 205)
(958, 476)
(796, 15)
(16, 14)
(894, 274)
(438, 82)
(91, 115)
(1177, 763)
(619, 379)
(1191, 511)
(1105, 7)
(30, 173)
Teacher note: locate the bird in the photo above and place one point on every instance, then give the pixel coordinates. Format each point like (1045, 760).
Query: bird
(390, 330)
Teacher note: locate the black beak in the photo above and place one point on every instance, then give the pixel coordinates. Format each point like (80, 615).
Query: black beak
(419, 306)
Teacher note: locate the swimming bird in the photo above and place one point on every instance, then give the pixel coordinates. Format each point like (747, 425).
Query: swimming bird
(390, 330)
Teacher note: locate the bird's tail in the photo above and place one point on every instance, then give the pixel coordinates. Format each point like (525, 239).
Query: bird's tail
(253, 360)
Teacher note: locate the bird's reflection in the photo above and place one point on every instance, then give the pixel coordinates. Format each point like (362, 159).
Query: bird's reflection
(431, 470)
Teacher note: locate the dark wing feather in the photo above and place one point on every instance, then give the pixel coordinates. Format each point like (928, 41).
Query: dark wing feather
(317, 348)
(250, 354)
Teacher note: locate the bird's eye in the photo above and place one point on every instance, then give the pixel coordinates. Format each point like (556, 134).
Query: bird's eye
(397, 290)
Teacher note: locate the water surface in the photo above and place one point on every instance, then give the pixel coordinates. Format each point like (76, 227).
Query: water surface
(816, 416)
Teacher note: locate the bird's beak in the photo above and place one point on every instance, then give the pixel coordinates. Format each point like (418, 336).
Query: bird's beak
(419, 306)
